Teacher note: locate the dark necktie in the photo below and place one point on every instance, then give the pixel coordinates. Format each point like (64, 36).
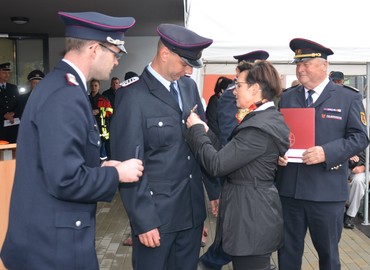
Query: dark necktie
(174, 92)
(309, 99)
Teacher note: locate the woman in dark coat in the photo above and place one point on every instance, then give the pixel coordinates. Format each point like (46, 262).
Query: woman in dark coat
(250, 223)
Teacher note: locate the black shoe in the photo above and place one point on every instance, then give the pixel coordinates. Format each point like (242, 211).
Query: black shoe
(348, 222)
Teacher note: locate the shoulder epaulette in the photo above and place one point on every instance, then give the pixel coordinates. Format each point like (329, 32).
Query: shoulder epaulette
(350, 87)
(231, 86)
(286, 89)
(129, 81)
(71, 79)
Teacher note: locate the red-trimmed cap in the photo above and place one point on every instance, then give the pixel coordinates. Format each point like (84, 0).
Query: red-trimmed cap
(304, 48)
(97, 26)
(252, 56)
(184, 42)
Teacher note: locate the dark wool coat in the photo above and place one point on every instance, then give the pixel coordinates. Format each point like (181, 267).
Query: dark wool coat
(250, 216)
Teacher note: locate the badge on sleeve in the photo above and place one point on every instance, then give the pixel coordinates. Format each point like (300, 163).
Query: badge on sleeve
(363, 118)
(71, 79)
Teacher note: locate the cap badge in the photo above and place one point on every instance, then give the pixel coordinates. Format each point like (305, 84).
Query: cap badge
(115, 41)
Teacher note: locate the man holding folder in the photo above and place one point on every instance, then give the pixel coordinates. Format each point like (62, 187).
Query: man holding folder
(313, 193)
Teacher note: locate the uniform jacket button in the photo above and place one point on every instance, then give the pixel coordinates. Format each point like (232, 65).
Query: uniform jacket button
(78, 223)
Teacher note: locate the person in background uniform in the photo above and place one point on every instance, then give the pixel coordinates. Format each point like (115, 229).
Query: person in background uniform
(102, 110)
(58, 178)
(9, 106)
(357, 188)
(313, 193)
(211, 112)
(130, 76)
(250, 222)
(110, 93)
(337, 77)
(227, 109)
(34, 77)
(166, 207)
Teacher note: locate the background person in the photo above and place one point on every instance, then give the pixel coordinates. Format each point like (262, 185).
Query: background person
(110, 93)
(337, 77)
(313, 193)
(54, 196)
(102, 110)
(166, 207)
(249, 226)
(211, 111)
(9, 105)
(34, 77)
(357, 188)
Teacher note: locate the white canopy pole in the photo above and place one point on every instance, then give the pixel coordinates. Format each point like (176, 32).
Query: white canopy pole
(366, 197)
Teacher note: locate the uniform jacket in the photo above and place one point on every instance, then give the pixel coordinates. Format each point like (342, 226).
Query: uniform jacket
(340, 129)
(57, 180)
(226, 110)
(9, 99)
(250, 218)
(169, 195)
(211, 114)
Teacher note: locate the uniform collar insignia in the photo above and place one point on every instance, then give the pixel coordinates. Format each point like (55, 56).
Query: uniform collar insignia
(71, 79)
(129, 81)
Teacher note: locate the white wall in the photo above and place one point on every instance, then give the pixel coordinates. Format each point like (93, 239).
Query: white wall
(141, 51)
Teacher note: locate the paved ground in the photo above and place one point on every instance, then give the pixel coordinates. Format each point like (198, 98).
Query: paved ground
(113, 228)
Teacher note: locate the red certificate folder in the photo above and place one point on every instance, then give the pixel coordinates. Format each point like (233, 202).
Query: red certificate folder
(301, 122)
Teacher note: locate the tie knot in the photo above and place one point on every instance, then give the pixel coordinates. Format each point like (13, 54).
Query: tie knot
(311, 92)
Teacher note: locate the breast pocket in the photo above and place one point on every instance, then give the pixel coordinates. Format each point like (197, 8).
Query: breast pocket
(161, 131)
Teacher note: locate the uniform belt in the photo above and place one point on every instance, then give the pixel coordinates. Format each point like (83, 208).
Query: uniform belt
(256, 183)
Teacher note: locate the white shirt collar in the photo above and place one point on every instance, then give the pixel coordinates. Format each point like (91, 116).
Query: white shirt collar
(318, 89)
(159, 77)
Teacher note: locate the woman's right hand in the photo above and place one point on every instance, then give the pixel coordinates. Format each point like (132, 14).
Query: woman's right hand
(194, 119)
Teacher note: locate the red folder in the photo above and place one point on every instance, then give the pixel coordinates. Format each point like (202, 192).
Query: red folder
(301, 122)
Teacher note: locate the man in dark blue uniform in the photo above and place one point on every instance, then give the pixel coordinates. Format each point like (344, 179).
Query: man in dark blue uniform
(9, 104)
(166, 207)
(313, 193)
(58, 180)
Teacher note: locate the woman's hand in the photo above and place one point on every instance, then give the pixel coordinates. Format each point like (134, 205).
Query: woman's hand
(283, 161)
(194, 119)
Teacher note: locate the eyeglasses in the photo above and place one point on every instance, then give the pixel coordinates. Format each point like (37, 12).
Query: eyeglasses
(116, 54)
(237, 84)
